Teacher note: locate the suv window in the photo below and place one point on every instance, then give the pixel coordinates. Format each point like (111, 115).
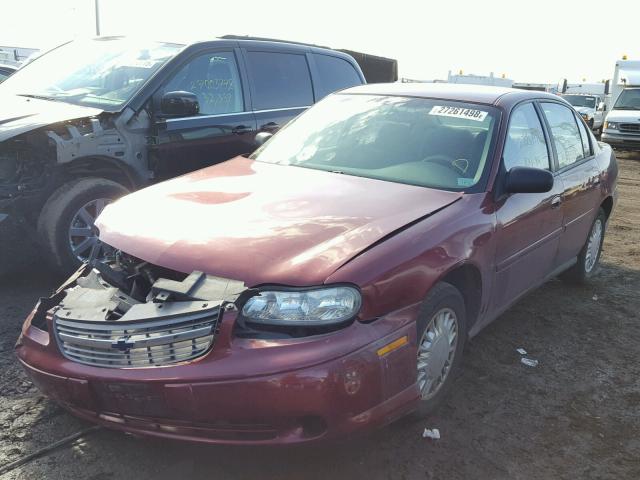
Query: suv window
(335, 74)
(525, 145)
(586, 146)
(565, 133)
(214, 79)
(280, 80)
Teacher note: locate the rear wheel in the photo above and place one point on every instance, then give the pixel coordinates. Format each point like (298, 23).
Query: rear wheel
(441, 337)
(67, 222)
(589, 257)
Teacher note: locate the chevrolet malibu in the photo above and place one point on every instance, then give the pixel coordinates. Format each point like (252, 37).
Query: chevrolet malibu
(327, 284)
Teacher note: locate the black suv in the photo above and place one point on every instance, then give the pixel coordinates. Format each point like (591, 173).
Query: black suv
(92, 120)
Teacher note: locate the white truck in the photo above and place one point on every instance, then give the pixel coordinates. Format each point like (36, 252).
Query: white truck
(622, 124)
(589, 100)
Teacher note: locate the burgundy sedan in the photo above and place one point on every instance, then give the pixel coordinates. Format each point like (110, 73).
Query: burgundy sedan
(328, 283)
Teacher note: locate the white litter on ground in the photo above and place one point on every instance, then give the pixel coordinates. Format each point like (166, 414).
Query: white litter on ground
(529, 362)
(521, 351)
(433, 434)
(595, 297)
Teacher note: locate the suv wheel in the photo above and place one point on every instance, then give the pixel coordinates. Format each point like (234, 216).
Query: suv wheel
(589, 257)
(66, 224)
(441, 337)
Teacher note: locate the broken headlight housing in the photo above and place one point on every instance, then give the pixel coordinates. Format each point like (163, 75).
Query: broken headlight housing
(312, 307)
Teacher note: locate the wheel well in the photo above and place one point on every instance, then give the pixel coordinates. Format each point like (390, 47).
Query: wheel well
(104, 168)
(468, 281)
(607, 206)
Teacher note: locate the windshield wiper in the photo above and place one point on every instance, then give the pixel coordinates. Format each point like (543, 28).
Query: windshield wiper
(39, 97)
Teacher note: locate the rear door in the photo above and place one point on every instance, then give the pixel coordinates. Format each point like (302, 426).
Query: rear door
(222, 129)
(280, 82)
(529, 225)
(580, 174)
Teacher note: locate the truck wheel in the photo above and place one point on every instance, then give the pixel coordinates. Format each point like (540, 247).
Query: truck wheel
(66, 224)
(442, 334)
(589, 257)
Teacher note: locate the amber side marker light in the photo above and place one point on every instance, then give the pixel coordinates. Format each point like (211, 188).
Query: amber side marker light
(390, 347)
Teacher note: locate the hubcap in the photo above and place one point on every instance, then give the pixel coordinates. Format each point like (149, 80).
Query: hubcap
(436, 351)
(83, 234)
(593, 246)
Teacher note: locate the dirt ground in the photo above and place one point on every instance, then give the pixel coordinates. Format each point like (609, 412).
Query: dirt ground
(574, 416)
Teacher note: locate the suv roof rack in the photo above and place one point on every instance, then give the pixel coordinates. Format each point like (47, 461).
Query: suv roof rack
(265, 39)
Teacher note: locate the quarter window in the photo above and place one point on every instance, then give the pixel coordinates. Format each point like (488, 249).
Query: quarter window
(280, 80)
(335, 74)
(525, 145)
(565, 133)
(214, 79)
(586, 146)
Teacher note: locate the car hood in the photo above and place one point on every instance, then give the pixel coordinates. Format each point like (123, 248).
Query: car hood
(263, 223)
(631, 116)
(23, 114)
(587, 110)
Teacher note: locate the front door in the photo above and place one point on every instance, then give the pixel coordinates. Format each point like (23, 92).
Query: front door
(529, 225)
(223, 129)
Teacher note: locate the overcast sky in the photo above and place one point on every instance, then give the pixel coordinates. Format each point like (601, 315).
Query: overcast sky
(532, 41)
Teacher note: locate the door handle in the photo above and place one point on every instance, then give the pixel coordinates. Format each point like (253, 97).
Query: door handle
(240, 129)
(269, 126)
(556, 201)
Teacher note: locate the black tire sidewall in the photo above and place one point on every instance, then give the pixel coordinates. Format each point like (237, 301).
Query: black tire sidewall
(443, 295)
(56, 216)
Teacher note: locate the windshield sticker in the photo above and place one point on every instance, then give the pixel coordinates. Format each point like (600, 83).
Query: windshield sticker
(465, 182)
(458, 112)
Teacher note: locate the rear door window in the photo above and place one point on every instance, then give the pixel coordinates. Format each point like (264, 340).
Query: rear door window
(565, 134)
(335, 74)
(214, 79)
(525, 145)
(279, 80)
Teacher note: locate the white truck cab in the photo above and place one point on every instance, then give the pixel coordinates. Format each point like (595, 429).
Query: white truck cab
(590, 107)
(622, 124)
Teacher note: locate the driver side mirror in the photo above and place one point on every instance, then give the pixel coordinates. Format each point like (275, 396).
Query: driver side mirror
(180, 103)
(528, 180)
(602, 107)
(262, 137)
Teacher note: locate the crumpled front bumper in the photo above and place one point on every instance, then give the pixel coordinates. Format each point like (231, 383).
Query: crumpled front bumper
(243, 391)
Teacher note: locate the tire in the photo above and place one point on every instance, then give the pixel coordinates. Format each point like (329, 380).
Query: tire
(444, 297)
(587, 266)
(60, 211)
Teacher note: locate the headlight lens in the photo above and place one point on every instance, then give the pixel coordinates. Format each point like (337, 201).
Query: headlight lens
(312, 307)
(611, 125)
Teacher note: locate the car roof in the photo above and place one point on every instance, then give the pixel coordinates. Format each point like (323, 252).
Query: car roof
(453, 91)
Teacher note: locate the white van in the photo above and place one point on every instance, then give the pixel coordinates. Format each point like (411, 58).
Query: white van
(622, 124)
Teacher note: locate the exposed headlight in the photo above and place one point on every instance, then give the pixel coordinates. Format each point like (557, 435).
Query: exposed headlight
(611, 125)
(309, 307)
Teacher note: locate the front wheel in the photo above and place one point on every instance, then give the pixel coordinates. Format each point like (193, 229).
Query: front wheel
(589, 257)
(442, 334)
(66, 225)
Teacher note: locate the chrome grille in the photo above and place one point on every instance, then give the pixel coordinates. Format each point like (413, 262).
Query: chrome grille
(142, 343)
(630, 127)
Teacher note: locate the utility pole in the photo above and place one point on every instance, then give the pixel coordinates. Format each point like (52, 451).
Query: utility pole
(97, 3)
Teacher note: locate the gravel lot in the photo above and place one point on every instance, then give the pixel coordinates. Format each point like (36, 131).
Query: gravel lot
(574, 416)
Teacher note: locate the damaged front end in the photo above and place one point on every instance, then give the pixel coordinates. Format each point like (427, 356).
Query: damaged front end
(127, 313)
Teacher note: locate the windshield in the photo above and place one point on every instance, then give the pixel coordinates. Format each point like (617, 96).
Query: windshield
(580, 100)
(97, 73)
(629, 99)
(431, 143)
